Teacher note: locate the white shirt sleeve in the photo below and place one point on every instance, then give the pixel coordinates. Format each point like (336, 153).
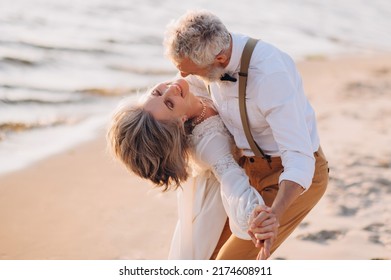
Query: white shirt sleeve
(285, 113)
(238, 196)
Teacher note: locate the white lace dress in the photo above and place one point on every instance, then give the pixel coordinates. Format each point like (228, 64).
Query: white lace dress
(219, 188)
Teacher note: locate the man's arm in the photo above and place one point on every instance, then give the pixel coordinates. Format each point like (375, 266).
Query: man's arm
(288, 192)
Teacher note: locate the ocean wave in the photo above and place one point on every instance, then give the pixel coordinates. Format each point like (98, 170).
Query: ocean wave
(12, 127)
(63, 48)
(139, 40)
(17, 126)
(22, 87)
(109, 92)
(142, 71)
(19, 61)
(38, 101)
(24, 95)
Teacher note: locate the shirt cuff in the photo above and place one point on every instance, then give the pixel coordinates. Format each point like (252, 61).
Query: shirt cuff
(298, 176)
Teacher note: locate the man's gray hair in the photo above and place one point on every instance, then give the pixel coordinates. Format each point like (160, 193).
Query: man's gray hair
(198, 35)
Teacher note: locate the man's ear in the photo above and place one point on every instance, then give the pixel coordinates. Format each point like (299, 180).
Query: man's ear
(221, 58)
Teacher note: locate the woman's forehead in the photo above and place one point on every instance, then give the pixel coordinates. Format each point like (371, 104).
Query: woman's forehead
(156, 107)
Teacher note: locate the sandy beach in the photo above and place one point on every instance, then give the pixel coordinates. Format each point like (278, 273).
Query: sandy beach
(81, 204)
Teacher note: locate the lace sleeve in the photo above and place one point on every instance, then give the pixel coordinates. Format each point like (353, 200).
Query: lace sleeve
(223, 165)
(238, 196)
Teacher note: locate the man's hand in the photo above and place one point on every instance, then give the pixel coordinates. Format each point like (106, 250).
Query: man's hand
(263, 226)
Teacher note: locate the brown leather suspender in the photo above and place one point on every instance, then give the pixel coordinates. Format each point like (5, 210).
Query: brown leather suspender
(246, 56)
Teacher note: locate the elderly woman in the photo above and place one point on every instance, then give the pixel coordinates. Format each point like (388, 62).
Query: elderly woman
(173, 135)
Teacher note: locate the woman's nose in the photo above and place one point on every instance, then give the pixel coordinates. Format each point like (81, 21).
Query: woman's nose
(173, 90)
(170, 91)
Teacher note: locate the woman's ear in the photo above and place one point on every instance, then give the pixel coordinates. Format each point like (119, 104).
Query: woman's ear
(184, 118)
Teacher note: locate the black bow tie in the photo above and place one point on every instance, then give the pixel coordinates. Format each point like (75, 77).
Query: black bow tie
(227, 77)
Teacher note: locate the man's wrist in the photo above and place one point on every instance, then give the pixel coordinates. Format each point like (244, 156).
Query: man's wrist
(288, 192)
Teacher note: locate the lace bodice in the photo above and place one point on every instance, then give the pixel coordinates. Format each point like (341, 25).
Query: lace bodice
(212, 150)
(213, 128)
(207, 127)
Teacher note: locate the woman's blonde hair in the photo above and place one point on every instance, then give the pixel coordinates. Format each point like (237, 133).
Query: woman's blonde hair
(154, 150)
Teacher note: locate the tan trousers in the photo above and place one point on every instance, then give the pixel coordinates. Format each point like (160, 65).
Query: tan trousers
(264, 177)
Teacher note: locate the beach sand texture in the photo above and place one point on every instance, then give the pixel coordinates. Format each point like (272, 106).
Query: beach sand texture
(81, 204)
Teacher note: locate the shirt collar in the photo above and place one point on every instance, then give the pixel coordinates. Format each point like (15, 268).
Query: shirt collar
(238, 43)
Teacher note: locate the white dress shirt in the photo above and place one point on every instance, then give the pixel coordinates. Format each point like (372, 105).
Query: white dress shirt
(282, 121)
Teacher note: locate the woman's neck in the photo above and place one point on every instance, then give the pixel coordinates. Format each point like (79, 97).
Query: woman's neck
(207, 110)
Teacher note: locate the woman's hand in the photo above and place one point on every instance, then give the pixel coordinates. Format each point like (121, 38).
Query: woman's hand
(263, 230)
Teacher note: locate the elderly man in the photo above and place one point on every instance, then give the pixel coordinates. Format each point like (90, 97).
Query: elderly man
(292, 175)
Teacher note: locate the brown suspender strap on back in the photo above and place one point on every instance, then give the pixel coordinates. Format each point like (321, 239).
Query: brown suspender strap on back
(246, 56)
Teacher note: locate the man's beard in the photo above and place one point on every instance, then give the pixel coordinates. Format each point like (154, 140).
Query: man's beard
(214, 74)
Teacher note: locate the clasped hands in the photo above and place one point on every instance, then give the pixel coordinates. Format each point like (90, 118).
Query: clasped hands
(263, 226)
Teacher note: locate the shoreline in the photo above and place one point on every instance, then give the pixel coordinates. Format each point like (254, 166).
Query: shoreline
(94, 123)
(81, 204)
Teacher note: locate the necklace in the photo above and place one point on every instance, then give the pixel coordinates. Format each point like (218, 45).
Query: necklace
(201, 117)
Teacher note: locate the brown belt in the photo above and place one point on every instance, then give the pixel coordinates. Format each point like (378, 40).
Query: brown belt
(272, 160)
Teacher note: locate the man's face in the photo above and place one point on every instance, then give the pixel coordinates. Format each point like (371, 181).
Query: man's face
(210, 73)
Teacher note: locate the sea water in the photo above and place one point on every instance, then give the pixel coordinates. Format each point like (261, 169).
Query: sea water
(65, 65)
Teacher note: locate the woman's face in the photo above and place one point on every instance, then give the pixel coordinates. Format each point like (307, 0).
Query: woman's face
(172, 100)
